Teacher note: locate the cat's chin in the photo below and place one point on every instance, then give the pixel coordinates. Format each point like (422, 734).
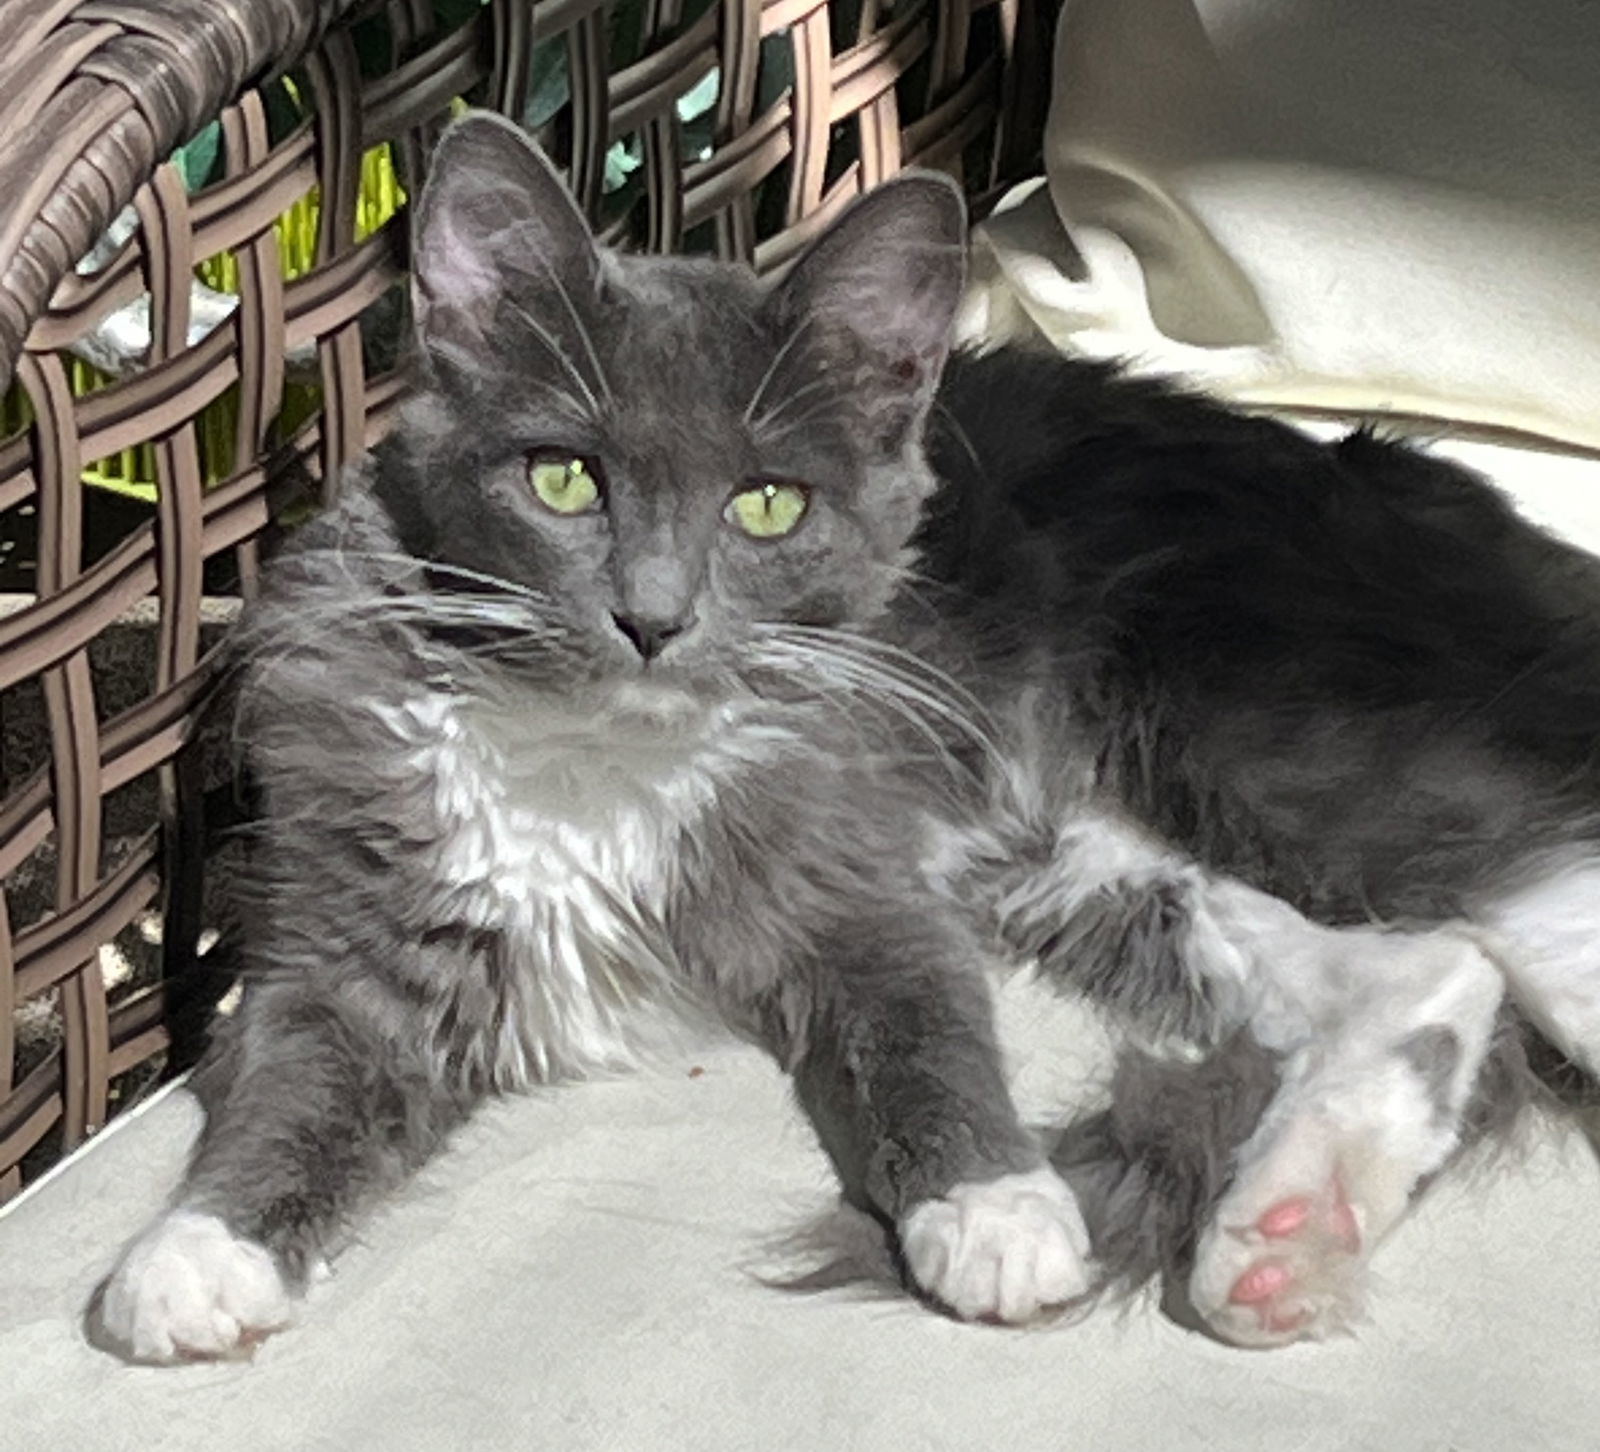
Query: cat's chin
(654, 706)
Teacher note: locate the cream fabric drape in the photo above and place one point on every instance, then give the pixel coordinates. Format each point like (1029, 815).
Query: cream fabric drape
(1352, 205)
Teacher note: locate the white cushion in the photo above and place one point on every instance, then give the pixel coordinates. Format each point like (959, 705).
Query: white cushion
(581, 1272)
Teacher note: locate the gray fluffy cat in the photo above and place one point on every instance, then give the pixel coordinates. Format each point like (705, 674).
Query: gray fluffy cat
(694, 646)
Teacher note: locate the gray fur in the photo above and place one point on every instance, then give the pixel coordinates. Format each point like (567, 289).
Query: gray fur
(1126, 948)
(381, 1004)
(1434, 1055)
(1151, 1167)
(848, 767)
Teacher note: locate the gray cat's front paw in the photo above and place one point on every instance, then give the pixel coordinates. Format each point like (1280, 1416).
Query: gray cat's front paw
(1007, 1250)
(188, 1289)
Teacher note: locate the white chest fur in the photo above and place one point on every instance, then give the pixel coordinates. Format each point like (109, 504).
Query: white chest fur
(564, 833)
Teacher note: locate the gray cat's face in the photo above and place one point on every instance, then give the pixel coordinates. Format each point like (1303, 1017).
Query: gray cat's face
(670, 454)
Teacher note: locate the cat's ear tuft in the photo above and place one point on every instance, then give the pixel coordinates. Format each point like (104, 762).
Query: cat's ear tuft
(494, 218)
(878, 293)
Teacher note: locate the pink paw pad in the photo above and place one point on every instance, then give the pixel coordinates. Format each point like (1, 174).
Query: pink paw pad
(1269, 1286)
(1290, 1217)
(1264, 1280)
(1286, 1218)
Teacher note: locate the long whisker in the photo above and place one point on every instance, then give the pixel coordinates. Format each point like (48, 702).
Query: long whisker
(300, 629)
(788, 345)
(959, 434)
(556, 351)
(928, 688)
(908, 666)
(408, 563)
(781, 418)
(584, 336)
(917, 692)
(863, 690)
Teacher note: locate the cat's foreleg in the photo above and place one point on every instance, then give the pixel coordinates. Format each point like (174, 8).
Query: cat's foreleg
(895, 1060)
(312, 1108)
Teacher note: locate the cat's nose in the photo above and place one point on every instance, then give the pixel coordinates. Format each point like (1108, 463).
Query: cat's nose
(649, 634)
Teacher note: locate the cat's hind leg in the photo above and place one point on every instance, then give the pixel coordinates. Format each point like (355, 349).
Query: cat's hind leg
(1382, 1035)
(1545, 934)
(1378, 1037)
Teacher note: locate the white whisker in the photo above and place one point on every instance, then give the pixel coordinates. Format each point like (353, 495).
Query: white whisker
(778, 421)
(783, 352)
(852, 689)
(913, 669)
(556, 351)
(407, 563)
(584, 336)
(917, 693)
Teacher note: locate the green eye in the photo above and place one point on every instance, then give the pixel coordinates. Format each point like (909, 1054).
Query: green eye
(563, 484)
(769, 511)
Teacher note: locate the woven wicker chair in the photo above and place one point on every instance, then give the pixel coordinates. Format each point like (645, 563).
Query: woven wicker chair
(103, 826)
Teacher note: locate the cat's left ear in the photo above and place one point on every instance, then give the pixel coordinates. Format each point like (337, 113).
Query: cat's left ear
(494, 219)
(877, 295)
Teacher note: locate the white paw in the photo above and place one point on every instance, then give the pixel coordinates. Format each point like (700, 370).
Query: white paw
(1285, 1255)
(1294, 1272)
(1004, 1250)
(189, 1289)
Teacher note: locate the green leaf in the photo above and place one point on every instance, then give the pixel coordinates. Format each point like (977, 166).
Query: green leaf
(701, 97)
(548, 88)
(198, 161)
(621, 162)
(128, 488)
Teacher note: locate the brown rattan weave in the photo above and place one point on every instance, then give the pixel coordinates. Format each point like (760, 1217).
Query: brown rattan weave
(102, 786)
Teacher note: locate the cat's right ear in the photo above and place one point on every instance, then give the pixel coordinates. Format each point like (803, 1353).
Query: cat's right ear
(494, 218)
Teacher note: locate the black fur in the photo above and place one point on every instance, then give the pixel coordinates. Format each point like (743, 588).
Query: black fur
(1346, 673)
